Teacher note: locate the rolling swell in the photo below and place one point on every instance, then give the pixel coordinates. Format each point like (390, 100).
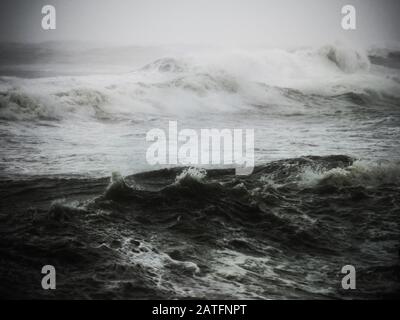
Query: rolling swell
(283, 232)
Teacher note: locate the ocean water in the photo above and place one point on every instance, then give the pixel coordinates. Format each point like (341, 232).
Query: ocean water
(325, 191)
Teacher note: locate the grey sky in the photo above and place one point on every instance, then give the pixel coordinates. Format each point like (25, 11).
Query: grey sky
(231, 22)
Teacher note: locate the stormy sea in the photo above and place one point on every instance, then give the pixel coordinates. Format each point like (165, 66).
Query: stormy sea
(76, 191)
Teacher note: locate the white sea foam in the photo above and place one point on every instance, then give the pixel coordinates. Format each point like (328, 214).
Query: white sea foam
(362, 172)
(194, 174)
(234, 80)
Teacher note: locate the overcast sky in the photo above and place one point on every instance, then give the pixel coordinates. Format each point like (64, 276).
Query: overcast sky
(230, 22)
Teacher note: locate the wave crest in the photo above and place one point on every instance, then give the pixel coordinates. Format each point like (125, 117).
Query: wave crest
(278, 80)
(15, 105)
(360, 173)
(347, 60)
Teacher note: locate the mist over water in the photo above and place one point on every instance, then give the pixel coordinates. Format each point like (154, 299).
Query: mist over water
(271, 23)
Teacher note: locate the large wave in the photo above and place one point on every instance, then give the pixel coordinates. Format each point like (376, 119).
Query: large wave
(215, 81)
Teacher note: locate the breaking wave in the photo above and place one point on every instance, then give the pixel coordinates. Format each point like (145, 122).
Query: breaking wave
(360, 173)
(217, 82)
(347, 60)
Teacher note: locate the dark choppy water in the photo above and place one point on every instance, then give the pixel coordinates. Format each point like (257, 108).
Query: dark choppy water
(274, 234)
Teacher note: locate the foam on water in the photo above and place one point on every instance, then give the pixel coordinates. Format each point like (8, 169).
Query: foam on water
(208, 81)
(362, 172)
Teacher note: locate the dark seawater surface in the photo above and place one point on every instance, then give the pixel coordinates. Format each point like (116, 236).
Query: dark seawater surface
(325, 191)
(185, 233)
